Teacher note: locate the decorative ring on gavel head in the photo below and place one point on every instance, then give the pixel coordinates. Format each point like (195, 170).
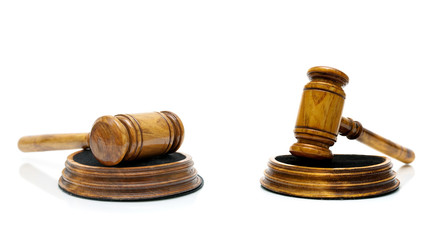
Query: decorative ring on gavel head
(320, 120)
(319, 114)
(113, 139)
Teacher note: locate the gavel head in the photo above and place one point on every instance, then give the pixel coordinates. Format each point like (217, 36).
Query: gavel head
(132, 136)
(320, 113)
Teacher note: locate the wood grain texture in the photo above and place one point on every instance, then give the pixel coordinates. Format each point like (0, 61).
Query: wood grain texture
(319, 114)
(129, 183)
(152, 134)
(320, 120)
(123, 137)
(330, 183)
(354, 130)
(50, 142)
(109, 140)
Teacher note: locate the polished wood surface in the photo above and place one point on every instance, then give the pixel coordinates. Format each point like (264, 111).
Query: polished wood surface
(319, 114)
(354, 130)
(330, 183)
(320, 120)
(160, 133)
(51, 142)
(117, 138)
(130, 183)
(109, 140)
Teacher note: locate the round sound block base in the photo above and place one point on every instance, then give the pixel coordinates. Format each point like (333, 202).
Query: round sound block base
(152, 178)
(343, 177)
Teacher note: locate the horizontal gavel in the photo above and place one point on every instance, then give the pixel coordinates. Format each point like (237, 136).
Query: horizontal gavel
(320, 120)
(117, 138)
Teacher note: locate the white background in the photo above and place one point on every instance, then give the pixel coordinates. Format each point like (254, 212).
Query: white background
(234, 72)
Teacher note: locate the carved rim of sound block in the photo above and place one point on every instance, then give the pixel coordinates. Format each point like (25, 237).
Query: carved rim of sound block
(330, 183)
(130, 183)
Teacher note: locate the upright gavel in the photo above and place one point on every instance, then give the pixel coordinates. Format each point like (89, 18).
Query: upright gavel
(117, 138)
(320, 120)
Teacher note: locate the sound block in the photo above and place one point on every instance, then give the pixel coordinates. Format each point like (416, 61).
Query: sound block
(343, 177)
(152, 178)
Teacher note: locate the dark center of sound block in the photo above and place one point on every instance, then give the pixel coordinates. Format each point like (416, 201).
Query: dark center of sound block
(87, 158)
(339, 161)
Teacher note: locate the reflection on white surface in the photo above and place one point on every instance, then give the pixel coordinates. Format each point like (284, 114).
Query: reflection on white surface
(40, 179)
(405, 173)
(50, 185)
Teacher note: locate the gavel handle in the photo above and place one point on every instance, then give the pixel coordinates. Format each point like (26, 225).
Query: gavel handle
(51, 142)
(354, 130)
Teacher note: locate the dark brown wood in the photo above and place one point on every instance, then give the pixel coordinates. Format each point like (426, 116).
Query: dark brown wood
(330, 183)
(117, 138)
(129, 183)
(320, 120)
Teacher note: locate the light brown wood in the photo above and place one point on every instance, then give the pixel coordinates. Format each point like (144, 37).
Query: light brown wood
(117, 138)
(319, 114)
(163, 132)
(51, 142)
(171, 175)
(346, 177)
(354, 130)
(320, 120)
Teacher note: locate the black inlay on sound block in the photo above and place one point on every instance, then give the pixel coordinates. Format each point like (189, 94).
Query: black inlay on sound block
(87, 158)
(339, 161)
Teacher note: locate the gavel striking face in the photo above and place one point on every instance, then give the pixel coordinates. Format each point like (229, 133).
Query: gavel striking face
(320, 120)
(117, 138)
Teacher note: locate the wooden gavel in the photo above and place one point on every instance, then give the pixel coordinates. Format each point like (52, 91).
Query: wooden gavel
(117, 138)
(320, 120)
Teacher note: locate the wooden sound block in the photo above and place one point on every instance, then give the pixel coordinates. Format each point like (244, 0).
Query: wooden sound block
(151, 178)
(344, 177)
